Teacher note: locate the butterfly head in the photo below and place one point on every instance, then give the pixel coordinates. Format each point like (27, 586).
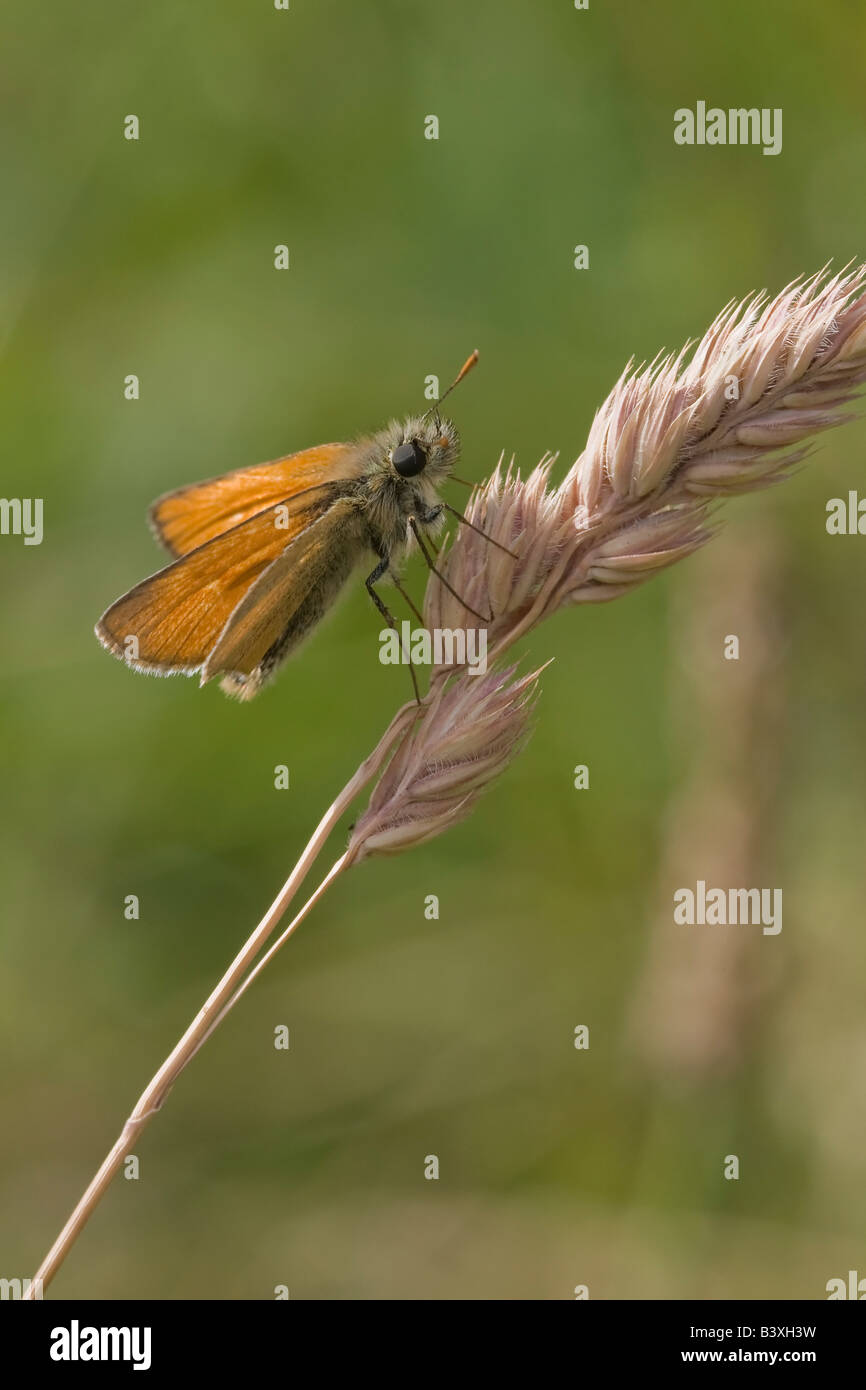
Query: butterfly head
(423, 447)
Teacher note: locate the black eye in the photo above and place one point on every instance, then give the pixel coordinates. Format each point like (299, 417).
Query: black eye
(409, 459)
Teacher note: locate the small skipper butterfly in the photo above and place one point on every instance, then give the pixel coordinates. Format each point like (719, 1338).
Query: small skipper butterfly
(262, 553)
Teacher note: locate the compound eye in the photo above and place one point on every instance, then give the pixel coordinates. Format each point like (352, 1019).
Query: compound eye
(409, 459)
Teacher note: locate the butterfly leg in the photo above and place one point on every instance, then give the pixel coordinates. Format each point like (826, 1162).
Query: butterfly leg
(409, 601)
(427, 518)
(372, 579)
(431, 516)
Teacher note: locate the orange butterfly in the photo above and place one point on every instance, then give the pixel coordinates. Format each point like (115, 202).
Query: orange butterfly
(262, 553)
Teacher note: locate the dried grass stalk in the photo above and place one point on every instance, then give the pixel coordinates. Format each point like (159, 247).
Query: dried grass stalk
(671, 438)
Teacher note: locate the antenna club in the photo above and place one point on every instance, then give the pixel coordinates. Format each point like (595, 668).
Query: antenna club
(467, 366)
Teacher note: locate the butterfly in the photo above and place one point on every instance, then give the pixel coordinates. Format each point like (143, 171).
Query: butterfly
(261, 554)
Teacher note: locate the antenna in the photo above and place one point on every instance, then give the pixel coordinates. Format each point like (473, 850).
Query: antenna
(467, 367)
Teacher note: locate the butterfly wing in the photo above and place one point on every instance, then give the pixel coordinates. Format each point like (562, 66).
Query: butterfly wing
(191, 516)
(172, 621)
(287, 600)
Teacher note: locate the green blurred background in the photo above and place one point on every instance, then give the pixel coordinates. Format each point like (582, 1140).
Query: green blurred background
(410, 1037)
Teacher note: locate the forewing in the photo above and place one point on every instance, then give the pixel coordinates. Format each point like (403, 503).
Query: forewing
(176, 616)
(191, 516)
(295, 590)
